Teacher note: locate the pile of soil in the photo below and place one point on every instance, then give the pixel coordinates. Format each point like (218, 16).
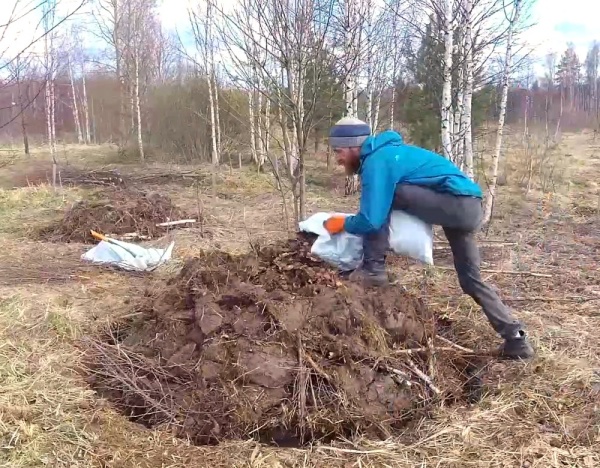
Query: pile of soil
(275, 346)
(119, 212)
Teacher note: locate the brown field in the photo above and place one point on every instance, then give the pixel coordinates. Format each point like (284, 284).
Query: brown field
(541, 251)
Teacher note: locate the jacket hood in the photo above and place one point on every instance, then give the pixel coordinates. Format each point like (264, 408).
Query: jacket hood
(375, 142)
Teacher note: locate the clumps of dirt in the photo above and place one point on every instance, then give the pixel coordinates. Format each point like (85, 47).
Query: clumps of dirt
(273, 346)
(117, 213)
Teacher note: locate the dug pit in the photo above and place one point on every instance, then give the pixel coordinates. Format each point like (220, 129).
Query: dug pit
(274, 346)
(117, 212)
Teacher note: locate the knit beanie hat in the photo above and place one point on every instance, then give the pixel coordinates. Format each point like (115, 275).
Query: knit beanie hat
(349, 132)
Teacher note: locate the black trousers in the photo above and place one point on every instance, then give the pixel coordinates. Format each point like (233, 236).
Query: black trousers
(460, 218)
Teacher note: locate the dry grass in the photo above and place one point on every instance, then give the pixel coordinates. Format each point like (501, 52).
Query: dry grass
(540, 414)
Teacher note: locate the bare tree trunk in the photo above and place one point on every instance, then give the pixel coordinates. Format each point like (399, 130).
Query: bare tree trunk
(22, 107)
(458, 111)
(86, 115)
(447, 86)
(74, 105)
(392, 106)
(487, 214)
(50, 129)
(466, 125)
(132, 92)
(253, 129)
(53, 109)
(217, 110)
(261, 142)
(350, 92)
(376, 116)
(213, 122)
(267, 131)
(138, 110)
(119, 68)
(557, 131)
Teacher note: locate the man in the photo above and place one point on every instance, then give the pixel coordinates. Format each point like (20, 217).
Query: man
(397, 176)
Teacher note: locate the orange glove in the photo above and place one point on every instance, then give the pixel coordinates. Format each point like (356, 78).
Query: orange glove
(335, 224)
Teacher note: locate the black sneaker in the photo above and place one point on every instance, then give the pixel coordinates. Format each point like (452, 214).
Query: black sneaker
(517, 347)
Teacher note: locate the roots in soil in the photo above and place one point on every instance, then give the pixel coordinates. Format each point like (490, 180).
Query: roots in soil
(119, 212)
(273, 346)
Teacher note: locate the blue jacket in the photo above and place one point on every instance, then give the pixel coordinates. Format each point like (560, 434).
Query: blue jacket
(387, 161)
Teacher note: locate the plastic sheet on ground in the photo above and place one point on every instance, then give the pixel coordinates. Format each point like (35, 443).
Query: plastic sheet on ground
(409, 236)
(128, 256)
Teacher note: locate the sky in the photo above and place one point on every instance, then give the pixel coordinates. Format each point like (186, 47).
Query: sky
(557, 22)
(563, 21)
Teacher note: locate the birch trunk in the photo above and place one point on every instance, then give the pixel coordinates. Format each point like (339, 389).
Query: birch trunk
(217, 109)
(213, 122)
(138, 110)
(370, 70)
(259, 134)
(351, 49)
(86, 114)
(74, 106)
(49, 94)
(211, 94)
(53, 110)
(447, 86)
(132, 100)
(487, 212)
(392, 106)
(22, 108)
(467, 123)
(458, 119)
(119, 70)
(267, 131)
(252, 127)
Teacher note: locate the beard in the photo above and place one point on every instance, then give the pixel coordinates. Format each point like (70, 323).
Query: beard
(352, 167)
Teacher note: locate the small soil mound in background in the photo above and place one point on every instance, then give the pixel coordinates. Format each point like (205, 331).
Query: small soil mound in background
(271, 346)
(119, 212)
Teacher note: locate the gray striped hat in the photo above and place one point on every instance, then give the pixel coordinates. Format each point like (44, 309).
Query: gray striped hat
(349, 132)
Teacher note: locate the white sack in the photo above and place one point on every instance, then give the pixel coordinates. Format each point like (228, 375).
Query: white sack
(409, 236)
(128, 256)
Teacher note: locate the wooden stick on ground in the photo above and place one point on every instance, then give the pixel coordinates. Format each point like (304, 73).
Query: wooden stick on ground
(505, 272)
(316, 367)
(411, 351)
(175, 223)
(454, 345)
(552, 299)
(425, 378)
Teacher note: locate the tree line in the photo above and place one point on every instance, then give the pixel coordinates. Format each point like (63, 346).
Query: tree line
(261, 81)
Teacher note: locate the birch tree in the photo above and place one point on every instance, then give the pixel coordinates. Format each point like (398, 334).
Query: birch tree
(74, 106)
(19, 69)
(138, 58)
(464, 132)
(290, 38)
(446, 110)
(110, 21)
(351, 25)
(202, 22)
(49, 72)
(84, 101)
(513, 19)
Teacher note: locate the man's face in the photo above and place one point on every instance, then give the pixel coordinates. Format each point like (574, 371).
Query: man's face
(349, 158)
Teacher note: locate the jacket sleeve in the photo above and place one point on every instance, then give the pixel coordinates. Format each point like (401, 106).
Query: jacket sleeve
(377, 194)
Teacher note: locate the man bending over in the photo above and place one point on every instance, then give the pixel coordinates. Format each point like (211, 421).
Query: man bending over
(397, 176)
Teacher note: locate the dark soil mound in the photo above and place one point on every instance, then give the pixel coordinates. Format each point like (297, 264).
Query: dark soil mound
(118, 212)
(273, 346)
